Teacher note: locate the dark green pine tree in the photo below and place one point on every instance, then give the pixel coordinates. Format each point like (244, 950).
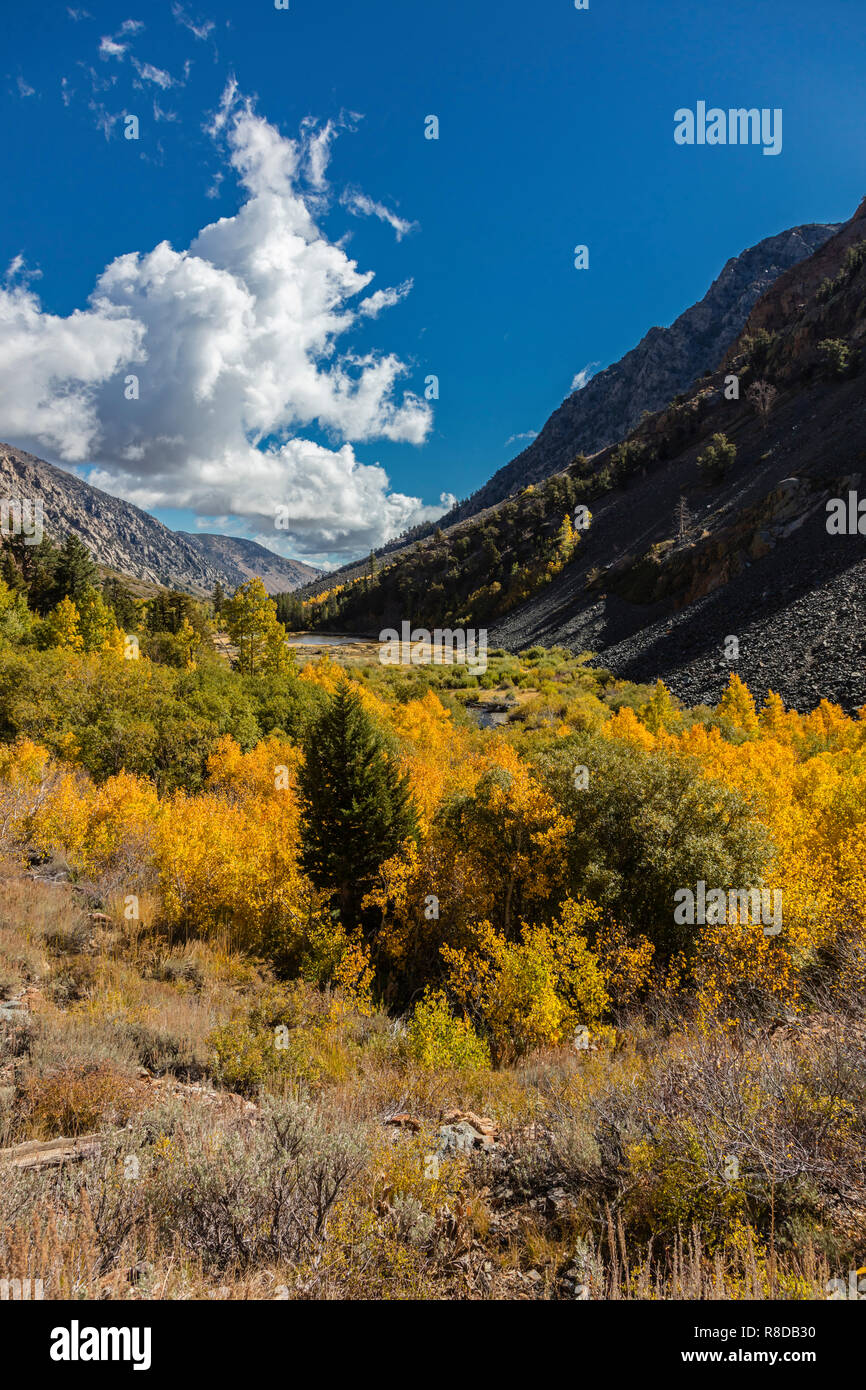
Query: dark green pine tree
(39, 569)
(120, 600)
(74, 571)
(9, 571)
(356, 805)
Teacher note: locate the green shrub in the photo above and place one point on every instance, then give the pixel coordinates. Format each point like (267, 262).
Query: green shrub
(437, 1039)
(718, 458)
(836, 356)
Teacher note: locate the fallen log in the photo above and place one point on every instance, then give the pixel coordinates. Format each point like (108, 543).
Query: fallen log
(51, 1153)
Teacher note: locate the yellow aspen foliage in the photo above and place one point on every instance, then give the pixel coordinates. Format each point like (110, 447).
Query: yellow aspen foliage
(738, 965)
(62, 627)
(189, 641)
(99, 631)
(94, 826)
(773, 719)
(626, 727)
(26, 775)
(828, 728)
(532, 992)
(324, 672)
(353, 980)
(251, 619)
(508, 837)
(626, 963)
(267, 772)
(509, 988)
(738, 705)
(437, 1039)
(438, 757)
(660, 712)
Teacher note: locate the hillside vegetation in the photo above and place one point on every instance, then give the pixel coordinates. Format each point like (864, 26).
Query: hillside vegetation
(331, 993)
(708, 520)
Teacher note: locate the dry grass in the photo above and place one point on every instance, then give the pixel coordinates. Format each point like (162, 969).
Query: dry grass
(603, 1183)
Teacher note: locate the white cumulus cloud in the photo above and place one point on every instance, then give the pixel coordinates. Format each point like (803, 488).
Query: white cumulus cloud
(239, 345)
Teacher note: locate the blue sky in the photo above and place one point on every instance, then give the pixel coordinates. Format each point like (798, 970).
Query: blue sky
(556, 128)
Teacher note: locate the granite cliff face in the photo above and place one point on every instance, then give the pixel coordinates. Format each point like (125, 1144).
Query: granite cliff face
(123, 537)
(665, 362)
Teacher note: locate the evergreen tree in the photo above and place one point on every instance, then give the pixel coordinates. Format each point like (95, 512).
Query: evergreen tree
(16, 620)
(9, 571)
(356, 805)
(169, 610)
(35, 566)
(74, 571)
(290, 612)
(218, 599)
(121, 603)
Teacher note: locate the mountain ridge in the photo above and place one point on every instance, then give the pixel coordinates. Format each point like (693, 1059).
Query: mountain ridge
(682, 554)
(125, 538)
(664, 363)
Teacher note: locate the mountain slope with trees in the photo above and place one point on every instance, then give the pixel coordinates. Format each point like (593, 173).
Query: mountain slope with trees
(707, 522)
(123, 537)
(664, 363)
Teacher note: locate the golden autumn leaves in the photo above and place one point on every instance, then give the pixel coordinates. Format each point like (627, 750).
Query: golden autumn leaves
(519, 957)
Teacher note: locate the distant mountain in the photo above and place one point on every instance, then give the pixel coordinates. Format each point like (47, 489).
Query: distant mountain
(681, 559)
(125, 538)
(241, 559)
(757, 558)
(666, 362)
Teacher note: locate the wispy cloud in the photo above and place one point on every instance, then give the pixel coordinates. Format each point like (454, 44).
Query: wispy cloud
(105, 120)
(200, 28)
(110, 48)
(527, 434)
(113, 45)
(584, 375)
(24, 88)
(160, 115)
(373, 305)
(149, 73)
(363, 206)
(17, 269)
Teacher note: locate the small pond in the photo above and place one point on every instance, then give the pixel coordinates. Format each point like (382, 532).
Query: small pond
(323, 639)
